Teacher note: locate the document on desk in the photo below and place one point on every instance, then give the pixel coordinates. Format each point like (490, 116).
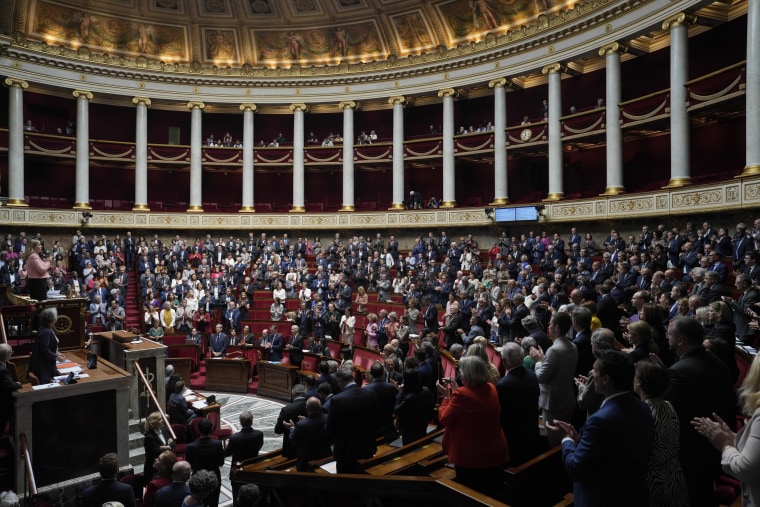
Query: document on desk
(75, 369)
(46, 386)
(199, 404)
(331, 467)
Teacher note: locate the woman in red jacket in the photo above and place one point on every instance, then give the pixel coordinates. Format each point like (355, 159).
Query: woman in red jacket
(473, 439)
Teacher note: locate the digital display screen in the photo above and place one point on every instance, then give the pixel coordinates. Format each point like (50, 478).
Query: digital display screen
(518, 214)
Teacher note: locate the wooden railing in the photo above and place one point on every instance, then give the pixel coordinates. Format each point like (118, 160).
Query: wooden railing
(153, 398)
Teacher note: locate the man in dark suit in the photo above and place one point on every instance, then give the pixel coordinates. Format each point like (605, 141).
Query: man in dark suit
(582, 326)
(741, 245)
(717, 265)
(518, 397)
(386, 395)
(290, 412)
(611, 453)
(607, 309)
(749, 296)
(699, 385)
(310, 436)
(174, 494)
(352, 422)
(207, 454)
(431, 316)
(716, 288)
(7, 386)
(108, 489)
(218, 342)
(244, 444)
(513, 318)
(296, 346)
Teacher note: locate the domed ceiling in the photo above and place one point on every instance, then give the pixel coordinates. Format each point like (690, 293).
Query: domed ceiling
(278, 33)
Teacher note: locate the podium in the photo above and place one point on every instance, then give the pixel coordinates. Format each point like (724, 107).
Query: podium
(118, 348)
(228, 374)
(69, 427)
(277, 380)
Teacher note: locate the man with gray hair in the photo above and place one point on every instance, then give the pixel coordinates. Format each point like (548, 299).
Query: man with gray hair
(602, 341)
(518, 395)
(534, 331)
(9, 499)
(290, 412)
(243, 445)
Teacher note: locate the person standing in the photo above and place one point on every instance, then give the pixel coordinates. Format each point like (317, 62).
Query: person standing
(244, 444)
(108, 489)
(610, 454)
(309, 435)
(7, 386)
(37, 271)
(207, 454)
(218, 342)
(291, 412)
(173, 494)
(352, 422)
(46, 348)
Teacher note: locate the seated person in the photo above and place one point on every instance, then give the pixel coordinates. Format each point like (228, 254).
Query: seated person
(181, 411)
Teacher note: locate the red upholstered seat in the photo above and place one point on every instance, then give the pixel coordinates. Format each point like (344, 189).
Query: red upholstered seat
(218, 432)
(180, 431)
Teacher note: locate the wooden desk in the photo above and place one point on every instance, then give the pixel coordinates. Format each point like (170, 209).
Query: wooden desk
(149, 355)
(69, 427)
(228, 375)
(182, 367)
(276, 380)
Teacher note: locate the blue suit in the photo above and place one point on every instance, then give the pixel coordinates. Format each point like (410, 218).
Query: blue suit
(218, 343)
(607, 465)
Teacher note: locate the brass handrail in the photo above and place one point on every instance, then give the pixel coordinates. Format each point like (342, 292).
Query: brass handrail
(2, 328)
(153, 397)
(28, 470)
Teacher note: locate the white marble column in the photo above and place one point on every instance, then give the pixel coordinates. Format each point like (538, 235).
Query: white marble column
(298, 157)
(16, 141)
(248, 110)
(752, 94)
(348, 154)
(500, 188)
(196, 165)
(82, 184)
(680, 156)
(614, 134)
(141, 153)
(398, 151)
(449, 190)
(556, 186)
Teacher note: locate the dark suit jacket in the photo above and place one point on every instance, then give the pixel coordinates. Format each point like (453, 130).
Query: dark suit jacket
(518, 397)
(244, 444)
(311, 440)
(108, 491)
(608, 313)
(741, 321)
(582, 341)
(431, 318)
(172, 495)
(386, 395)
(289, 412)
(612, 454)
(206, 454)
(699, 386)
(413, 413)
(352, 422)
(219, 343)
(152, 445)
(45, 352)
(275, 352)
(717, 290)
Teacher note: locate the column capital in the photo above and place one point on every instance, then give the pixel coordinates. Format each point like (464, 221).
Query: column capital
(196, 105)
(680, 19)
(82, 93)
(498, 82)
(348, 104)
(397, 99)
(553, 68)
(447, 92)
(612, 47)
(12, 82)
(299, 107)
(145, 101)
(247, 107)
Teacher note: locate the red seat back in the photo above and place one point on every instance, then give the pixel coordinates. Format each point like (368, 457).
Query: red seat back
(309, 362)
(449, 365)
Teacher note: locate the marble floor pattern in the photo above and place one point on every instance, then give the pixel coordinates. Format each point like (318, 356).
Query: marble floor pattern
(265, 412)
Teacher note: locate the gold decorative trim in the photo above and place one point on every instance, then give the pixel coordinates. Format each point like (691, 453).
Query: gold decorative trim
(195, 209)
(196, 105)
(82, 93)
(555, 196)
(247, 209)
(396, 206)
(16, 83)
(447, 92)
(552, 68)
(351, 104)
(678, 182)
(82, 205)
(347, 207)
(397, 99)
(680, 19)
(248, 107)
(497, 83)
(750, 170)
(17, 203)
(448, 204)
(140, 207)
(499, 201)
(613, 191)
(298, 209)
(613, 47)
(299, 107)
(141, 100)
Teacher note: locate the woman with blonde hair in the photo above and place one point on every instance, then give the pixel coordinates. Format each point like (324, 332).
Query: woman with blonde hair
(640, 336)
(478, 348)
(361, 300)
(156, 440)
(740, 452)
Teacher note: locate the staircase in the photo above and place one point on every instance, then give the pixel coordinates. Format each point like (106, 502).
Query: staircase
(132, 310)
